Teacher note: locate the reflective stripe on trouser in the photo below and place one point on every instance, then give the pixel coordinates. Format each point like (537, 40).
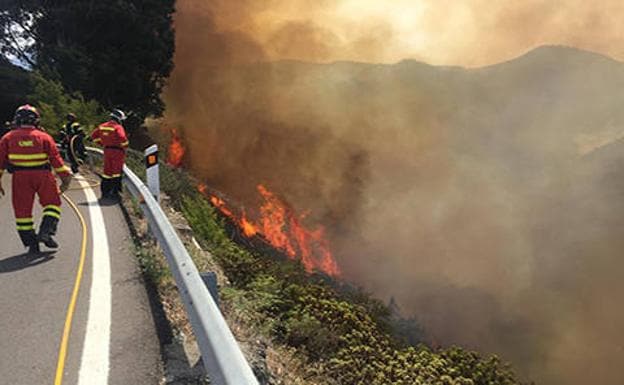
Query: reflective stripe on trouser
(52, 211)
(26, 230)
(27, 184)
(24, 224)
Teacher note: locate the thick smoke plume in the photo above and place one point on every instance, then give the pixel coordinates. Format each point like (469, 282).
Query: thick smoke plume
(462, 32)
(485, 201)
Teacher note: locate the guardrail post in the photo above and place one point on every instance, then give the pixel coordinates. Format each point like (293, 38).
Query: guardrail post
(152, 172)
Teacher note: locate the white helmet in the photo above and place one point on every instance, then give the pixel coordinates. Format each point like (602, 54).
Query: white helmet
(118, 115)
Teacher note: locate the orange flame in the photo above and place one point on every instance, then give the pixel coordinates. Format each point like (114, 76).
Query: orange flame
(285, 231)
(273, 218)
(249, 229)
(282, 229)
(220, 204)
(176, 150)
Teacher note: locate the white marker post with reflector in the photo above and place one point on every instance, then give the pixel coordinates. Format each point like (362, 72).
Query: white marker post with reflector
(152, 173)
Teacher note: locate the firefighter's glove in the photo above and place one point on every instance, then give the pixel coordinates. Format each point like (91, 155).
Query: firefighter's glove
(65, 181)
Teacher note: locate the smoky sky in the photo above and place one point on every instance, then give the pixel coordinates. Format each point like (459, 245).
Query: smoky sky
(485, 201)
(459, 32)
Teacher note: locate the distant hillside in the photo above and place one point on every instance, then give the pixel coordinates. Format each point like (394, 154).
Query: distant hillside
(487, 201)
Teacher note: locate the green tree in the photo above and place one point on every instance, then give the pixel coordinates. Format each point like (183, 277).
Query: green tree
(16, 84)
(118, 52)
(54, 102)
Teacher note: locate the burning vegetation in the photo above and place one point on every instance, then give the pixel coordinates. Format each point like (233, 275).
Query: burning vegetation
(278, 225)
(342, 333)
(175, 156)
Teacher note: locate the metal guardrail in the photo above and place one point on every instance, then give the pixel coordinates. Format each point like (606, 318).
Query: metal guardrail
(222, 357)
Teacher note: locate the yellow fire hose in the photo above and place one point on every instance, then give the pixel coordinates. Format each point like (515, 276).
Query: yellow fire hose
(63, 349)
(91, 183)
(62, 353)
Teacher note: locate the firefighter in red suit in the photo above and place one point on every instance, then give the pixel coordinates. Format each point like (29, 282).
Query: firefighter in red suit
(30, 155)
(112, 136)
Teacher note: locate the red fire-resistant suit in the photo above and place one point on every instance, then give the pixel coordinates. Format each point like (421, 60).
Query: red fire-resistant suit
(112, 136)
(31, 155)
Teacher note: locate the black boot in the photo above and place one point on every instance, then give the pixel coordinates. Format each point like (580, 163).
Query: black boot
(29, 239)
(47, 230)
(105, 187)
(116, 189)
(34, 249)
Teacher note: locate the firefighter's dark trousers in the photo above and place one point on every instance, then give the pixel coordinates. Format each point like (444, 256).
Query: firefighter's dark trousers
(114, 159)
(26, 184)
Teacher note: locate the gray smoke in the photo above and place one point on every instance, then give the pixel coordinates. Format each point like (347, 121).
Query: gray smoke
(486, 201)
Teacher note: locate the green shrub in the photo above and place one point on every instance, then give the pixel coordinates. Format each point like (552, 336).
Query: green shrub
(54, 103)
(346, 335)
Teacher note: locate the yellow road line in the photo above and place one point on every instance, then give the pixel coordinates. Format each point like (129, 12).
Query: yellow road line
(60, 367)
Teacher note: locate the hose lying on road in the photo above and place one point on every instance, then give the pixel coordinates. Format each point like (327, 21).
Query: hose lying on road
(60, 367)
(91, 183)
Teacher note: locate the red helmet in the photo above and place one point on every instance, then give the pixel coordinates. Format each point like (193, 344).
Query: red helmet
(26, 115)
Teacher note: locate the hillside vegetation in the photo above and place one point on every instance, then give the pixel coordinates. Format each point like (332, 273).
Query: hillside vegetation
(485, 201)
(343, 335)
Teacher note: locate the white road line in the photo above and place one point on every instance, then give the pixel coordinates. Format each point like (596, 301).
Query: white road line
(95, 355)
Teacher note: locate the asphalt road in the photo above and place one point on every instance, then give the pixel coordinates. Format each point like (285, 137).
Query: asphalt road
(113, 337)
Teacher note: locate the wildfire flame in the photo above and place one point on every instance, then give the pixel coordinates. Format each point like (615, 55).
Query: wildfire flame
(220, 204)
(279, 225)
(176, 150)
(249, 229)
